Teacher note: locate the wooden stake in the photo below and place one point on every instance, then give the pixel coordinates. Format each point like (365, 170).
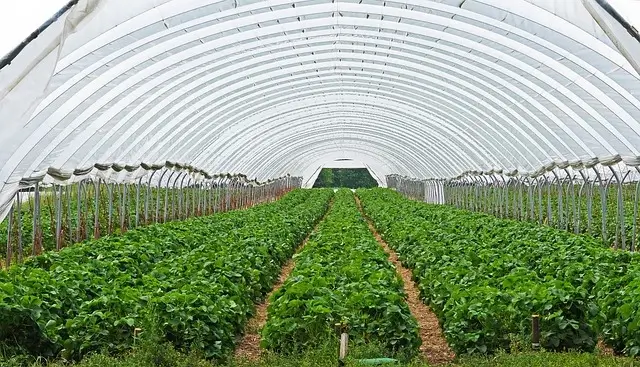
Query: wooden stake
(535, 332)
(344, 346)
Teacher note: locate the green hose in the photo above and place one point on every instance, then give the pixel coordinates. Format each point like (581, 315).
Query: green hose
(376, 361)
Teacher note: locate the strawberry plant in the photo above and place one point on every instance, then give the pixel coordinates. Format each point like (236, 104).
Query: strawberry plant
(341, 276)
(192, 283)
(485, 276)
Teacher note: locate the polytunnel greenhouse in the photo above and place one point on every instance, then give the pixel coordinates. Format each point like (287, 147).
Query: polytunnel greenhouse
(157, 159)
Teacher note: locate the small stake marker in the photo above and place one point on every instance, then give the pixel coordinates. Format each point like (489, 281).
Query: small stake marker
(535, 332)
(344, 344)
(136, 332)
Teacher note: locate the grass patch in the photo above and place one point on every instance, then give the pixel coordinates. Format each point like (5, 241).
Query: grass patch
(164, 355)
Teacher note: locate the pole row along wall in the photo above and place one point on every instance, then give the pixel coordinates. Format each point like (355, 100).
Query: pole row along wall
(598, 197)
(57, 209)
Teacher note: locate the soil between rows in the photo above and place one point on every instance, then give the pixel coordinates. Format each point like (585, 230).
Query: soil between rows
(434, 348)
(249, 345)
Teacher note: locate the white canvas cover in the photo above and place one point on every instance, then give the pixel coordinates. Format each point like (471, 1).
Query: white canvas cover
(268, 87)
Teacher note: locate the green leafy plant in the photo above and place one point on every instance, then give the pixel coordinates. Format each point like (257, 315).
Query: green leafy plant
(342, 276)
(485, 276)
(194, 283)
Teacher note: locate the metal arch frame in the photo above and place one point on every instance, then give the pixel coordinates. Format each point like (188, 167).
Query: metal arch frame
(328, 88)
(323, 81)
(267, 167)
(305, 114)
(426, 115)
(172, 130)
(236, 107)
(307, 133)
(533, 13)
(316, 117)
(313, 114)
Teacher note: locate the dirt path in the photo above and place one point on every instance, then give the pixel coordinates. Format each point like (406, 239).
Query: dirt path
(434, 348)
(249, 345)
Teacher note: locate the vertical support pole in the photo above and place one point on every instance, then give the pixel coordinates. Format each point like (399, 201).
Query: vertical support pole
(19, 224)
(9, 253)
(540, 201)
(578, 220)
(146, 198)
(603, 202)
(96, 214)
(36, 232)
(67, 194)
(138, 202)
(166, 198)
(59, 218)
(560, 198)
(634, 227)
(123, 209)
(79, 213)
(110, 211)
(530, 198)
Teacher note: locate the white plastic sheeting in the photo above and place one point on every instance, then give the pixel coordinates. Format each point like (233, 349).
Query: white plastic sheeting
(268, 87)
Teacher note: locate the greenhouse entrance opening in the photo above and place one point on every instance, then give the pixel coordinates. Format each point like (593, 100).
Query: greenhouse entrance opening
(347, 173)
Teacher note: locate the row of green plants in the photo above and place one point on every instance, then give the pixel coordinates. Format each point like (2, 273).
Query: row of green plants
(78, 214)
(191, 283)
(342, 280)
(574, 207)
(485, 277)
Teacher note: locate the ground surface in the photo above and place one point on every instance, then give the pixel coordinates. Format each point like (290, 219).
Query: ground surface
(434, 348)
(249, 346)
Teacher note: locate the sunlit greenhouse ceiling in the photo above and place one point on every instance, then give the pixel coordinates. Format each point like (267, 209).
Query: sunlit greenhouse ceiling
(426, 89)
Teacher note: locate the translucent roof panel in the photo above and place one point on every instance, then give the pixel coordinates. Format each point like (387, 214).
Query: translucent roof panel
(414, 87)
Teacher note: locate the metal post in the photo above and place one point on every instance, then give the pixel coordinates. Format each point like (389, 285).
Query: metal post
(79, 213)
(36, 232)
(19, 224)
(96, 214)
(9, 253)
(166, 198)
(59, 218)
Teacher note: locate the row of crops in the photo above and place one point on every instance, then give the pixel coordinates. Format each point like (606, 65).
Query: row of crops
(70, 214)
(608, 213)
(484, 277)
(342, 276)
(193, 283)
